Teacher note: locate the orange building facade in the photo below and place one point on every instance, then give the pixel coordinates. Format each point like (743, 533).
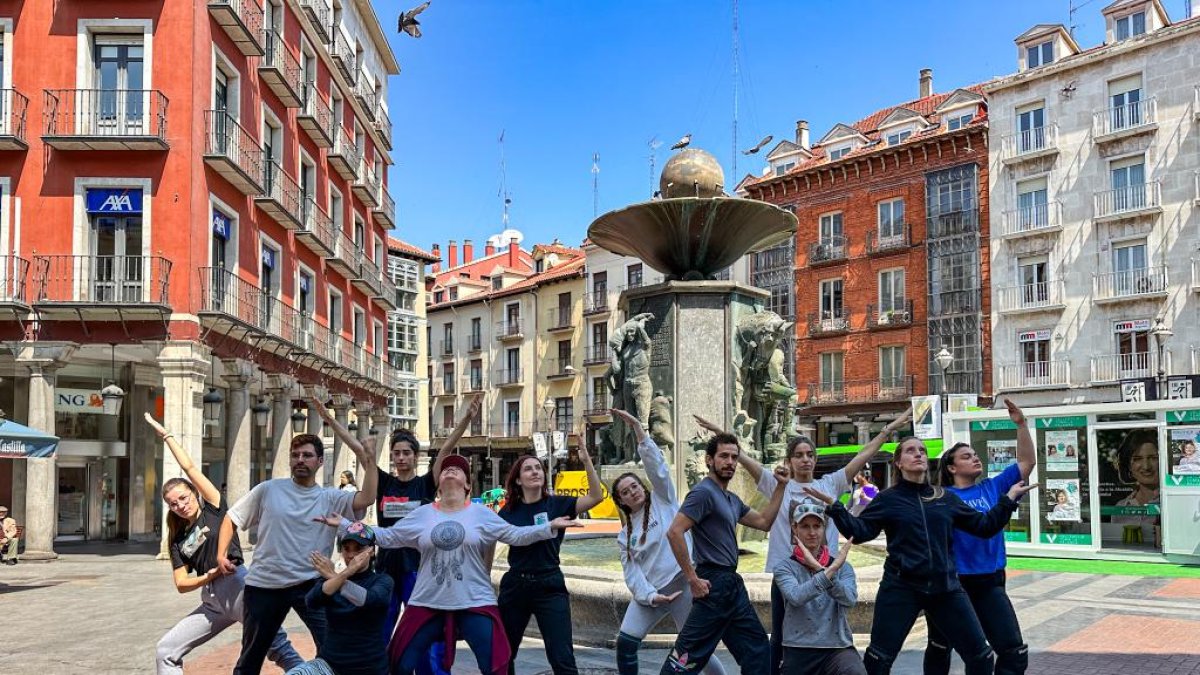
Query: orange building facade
(193, 207)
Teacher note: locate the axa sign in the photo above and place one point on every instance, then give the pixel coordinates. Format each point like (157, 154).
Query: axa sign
(114, 201)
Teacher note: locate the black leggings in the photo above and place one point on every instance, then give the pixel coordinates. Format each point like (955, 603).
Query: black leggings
(541, 595)
(999, 621)
(896, 609)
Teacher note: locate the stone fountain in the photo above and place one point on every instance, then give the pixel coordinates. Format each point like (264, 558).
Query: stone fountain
(695, 345)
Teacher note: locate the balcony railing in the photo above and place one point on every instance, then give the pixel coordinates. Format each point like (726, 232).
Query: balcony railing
(559, 318)
(13, 108)
(316, 117)
(1034, 142)
(242, 21)
(512, 429)
(1032, 219)
(597, 406)
(1035, 374)
(385, 212)
(343, 54)
(319, 15)
(509, 330)
(860, 391)
(560, 368)
(828, 250)
(367, 95)
(509, 377)
(232, 152)
(14, 277)
(316, 228)
(1114, 367)
(952, 223)
(368, 279)
(227, 295)
(367, 185)
(1124, 119)
(344, 156)
(1128, 200)
(596, 302)
(281, 320)
(596, 354)
(473, 383)
(102, 280)
(387, 296)
(383, 124)
(877, 245)
(280, 197)
(474, 342)
(1031, 297)
(105, 119)
(280, 69)
(1134, 283)
(828, 322)
(900, 315)
(346, 256)
(446, 347)
(443, 387)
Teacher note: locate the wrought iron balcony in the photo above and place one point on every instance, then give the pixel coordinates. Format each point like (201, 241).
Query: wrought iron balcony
(1035, 375)
(280, 70)
(232, 152)
(1125, 120)
(597, 406)
(107, 280)
(445, 347)
(242, 21)
(14, 106)
(344, 156)
(1134, 365)
(828, 322)
(383, 125)
(319, 15)
(828, 250)
(385, 211)
(386, 297)
(1133, 284)
(229, 300)
(1029, 144)
(596, 302)
(472, 383)
(509, 330)
(1033, 219)
(596, 355)
(367, 95)
(369, 280)
(367, 185)
(316, 228)
(346, 256)
(560, 368)
(474, 343)
(882, 390)
(877, 245)
(1128, 202)
(1040, 296)
(14, 279)
(105, 119)
(344, 57)
(442, 386)
(900, 315)
(316, 117)
(509, 377)
(559, 319)
(280, 197)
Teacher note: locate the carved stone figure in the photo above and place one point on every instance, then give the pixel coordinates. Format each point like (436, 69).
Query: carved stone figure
(628, 379)
(694, 466)
(762, 393)
(661, 422)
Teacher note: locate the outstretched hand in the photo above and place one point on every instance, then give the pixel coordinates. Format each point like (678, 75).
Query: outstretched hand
(322, 564)
(1014, 412)
(625, 417)
(818, 495)
(843, 553)
(900, 421)
(563, 522)
(1020, 489)
(707, 426)
(659, 599)
(332, 520)
(159, 429)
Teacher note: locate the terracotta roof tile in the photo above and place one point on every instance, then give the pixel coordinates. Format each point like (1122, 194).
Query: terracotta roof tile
(405, 248)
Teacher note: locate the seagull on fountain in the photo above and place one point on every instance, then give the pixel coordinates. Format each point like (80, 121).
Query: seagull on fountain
(683, 142)
(409, 23)
(761, 144)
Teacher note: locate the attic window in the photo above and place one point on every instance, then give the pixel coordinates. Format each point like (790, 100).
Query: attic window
(899, 137)
(958, 120)
(439, 296)
(838, 153)
(540, 266)
(1039, 55)
(454, 293)
(1130, 26)
(497, 283)
(781, 169)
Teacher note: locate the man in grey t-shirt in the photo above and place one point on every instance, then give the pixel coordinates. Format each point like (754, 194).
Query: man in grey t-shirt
(721, 609)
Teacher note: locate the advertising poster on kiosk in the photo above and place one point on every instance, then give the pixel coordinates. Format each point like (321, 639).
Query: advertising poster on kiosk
(1129, 486)
(1062, 451)
(1184, 449)
(999, 455)
(1062, 500)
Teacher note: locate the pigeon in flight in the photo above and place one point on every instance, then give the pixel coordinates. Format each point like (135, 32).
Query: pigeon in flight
(409, 23)
(683, 142)
(761, 144)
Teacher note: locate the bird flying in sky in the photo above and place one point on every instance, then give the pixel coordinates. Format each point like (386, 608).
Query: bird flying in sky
(409, 23)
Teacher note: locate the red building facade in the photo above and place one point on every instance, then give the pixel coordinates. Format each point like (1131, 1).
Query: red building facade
(194, 202)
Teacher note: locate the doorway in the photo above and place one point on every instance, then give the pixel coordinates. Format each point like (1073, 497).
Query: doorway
(72, 503)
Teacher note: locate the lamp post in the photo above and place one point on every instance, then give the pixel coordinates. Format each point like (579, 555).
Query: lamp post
(1161, 334)
(299, 421)
(943, 359)
(548, 407)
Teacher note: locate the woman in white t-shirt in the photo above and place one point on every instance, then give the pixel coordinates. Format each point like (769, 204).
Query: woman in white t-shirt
(453, 592)
(346, 481)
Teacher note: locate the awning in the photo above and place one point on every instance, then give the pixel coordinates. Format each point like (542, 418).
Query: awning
(19, 441)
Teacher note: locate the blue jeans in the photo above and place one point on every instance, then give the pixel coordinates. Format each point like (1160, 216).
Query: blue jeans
(265, 609)
(724, 615)
(476, 629)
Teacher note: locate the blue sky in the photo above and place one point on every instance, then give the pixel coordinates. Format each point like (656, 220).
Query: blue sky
(566, 78)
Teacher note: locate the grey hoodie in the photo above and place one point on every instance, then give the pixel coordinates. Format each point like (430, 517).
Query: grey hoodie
(815, 607)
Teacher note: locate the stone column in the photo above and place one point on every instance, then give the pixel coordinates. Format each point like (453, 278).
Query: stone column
(341, 414)
(42, 359)
(380, 420)
(184, 366)
(863, 427)
(362, 415)
(281, 388)
(316, 427)
(239, 428)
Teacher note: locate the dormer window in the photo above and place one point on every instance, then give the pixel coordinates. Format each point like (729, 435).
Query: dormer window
(838, 153)
(540, 266)
(959, 119)
(1039, 55)
(497, 283)
(1130, 26)
(783, 168)
(439, 296)
(899, 136)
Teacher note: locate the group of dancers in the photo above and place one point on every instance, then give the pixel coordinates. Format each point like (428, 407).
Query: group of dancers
(408, 589)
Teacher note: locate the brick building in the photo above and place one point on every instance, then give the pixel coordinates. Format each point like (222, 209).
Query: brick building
(890, 258)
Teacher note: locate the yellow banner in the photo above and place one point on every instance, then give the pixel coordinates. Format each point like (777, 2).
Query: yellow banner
(575, 484)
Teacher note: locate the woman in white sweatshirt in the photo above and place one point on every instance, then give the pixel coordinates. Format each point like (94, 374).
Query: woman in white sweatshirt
(651, 572)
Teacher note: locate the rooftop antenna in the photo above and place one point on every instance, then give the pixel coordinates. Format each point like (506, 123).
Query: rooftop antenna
(1072, 8)
(503, 191)
(654, 144)
(595, 185)
(735, 88)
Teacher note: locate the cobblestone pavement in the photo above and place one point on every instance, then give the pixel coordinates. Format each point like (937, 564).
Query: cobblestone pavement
(103, 611)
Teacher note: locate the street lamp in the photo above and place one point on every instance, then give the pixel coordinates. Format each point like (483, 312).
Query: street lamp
(112, 395)
(1161, 334)
(943, 359)
(548, 407)
(262, 412)
(212, 406)
(299, 421)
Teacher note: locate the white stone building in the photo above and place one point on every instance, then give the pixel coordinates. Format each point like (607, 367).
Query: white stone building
(1094, 192)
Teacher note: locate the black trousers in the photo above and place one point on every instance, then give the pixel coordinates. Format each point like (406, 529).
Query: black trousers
(806, 661)
(265, 609)
(777, 610)
(998, 619)
(542, 595)
(897, 606)
(724, 615)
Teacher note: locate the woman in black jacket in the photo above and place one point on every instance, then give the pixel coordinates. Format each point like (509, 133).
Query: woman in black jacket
(919, 572)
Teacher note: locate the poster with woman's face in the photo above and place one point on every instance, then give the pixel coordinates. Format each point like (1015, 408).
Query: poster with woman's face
(1062, 450)
(1185, 451)
(1129, 475)
(1062, 500)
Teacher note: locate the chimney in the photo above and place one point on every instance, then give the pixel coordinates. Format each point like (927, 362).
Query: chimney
(513, 258)
(468, 251)
(802, 134)
(489, 248)
(452, 254)
(926, 82)
(437, 253)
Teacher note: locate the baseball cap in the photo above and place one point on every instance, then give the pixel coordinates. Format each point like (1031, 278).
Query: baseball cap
(360, 533)
(462, 463)
(807, 508)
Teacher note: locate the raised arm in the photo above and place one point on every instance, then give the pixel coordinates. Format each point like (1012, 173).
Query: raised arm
(985, 525)
(595, 493)
(865, 527)
(762, 520)
(1026, 451)
(365, 497)
(868, 451)
(342, 433)
(204, 486)
(652, 459)
(451, 441)
(749, 463)
(496, 529)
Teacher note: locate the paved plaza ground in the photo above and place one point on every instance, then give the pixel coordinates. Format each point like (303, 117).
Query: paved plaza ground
(102, 609)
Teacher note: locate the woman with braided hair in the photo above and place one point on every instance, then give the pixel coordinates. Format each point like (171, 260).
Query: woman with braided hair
(651, 571)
